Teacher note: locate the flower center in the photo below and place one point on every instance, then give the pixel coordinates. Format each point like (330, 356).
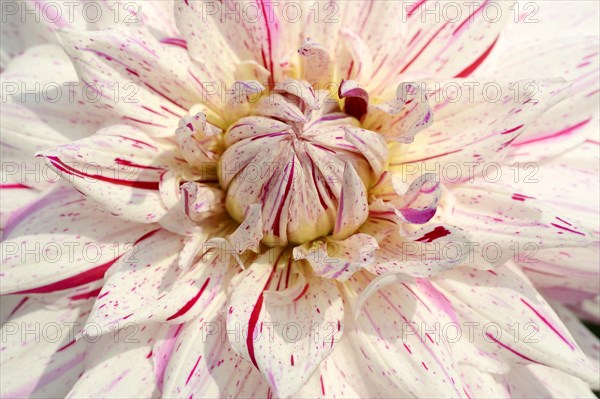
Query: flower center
(298, 157)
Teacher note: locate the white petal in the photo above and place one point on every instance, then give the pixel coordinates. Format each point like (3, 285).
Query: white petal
(142, 81)
(120, 168)
(149, 287)
(470, 130)
(284, 362)
(59, 243)
(353, 208)
(249, 233)
(43, 340)
(508, 303)
(426, 251)
(120, 365)
(398, 356)
(339, 259)
(203, 364)
(537, 381)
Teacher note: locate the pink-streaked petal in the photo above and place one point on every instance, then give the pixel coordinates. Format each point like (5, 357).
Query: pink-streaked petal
(401, 119)
(249, 233)
(285, 364)
(470, 131)
(202, 201)
(371, 145)
(119, 168)
(53, 363)
(425, 252)
(228, 35)
(509, 225)
(276, 106)
(502, 297)
(354, 61)
(317, 67)
(353, 209)
(157, 83)
(149, 287)
(415, 203)
(397, 356)
(204, 365)
(442, 46)
(199, 143)
(120, 367)
(339, 259)
(565, 275)
(570, 122)
(59, 243)
(586, 339)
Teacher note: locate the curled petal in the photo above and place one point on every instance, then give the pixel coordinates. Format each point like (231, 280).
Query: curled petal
(356, 99)
(401, 119)
(300, 89)
(175, 219)
(317, 65)
(276, 105)
(339, 259)
(198, 140)
(427, 251)
(243, 95)
(249, 233)
(371, 145)
(202, 201)
(353, 208)
(415, 205)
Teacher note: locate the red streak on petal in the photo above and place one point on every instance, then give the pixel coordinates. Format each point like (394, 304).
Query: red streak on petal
(415, 8)
(175, 41)
(85, 277)
(194, 369)
(471, 68)
(17, 185)
(423, 48)
(438, 232)
(513, 129)
(469, 18)
(554, 135)
(302, 293)
(322, 386)
(567, 229)
(60, 165)
(126, 162)
(86, 295)
(256, 313)
(66, 346)
(510, 349)
(190, 303)
(19, 305)
(548, 324)
(88, 276)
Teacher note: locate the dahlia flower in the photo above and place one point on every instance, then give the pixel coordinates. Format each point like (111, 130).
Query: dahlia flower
(299, 199)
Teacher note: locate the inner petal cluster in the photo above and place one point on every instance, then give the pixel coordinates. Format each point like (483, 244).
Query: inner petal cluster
(296, 155)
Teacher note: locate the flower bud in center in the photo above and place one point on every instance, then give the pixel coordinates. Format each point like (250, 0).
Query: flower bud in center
(306, 163)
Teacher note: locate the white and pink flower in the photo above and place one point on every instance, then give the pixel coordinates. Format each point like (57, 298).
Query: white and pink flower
(366, 201)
